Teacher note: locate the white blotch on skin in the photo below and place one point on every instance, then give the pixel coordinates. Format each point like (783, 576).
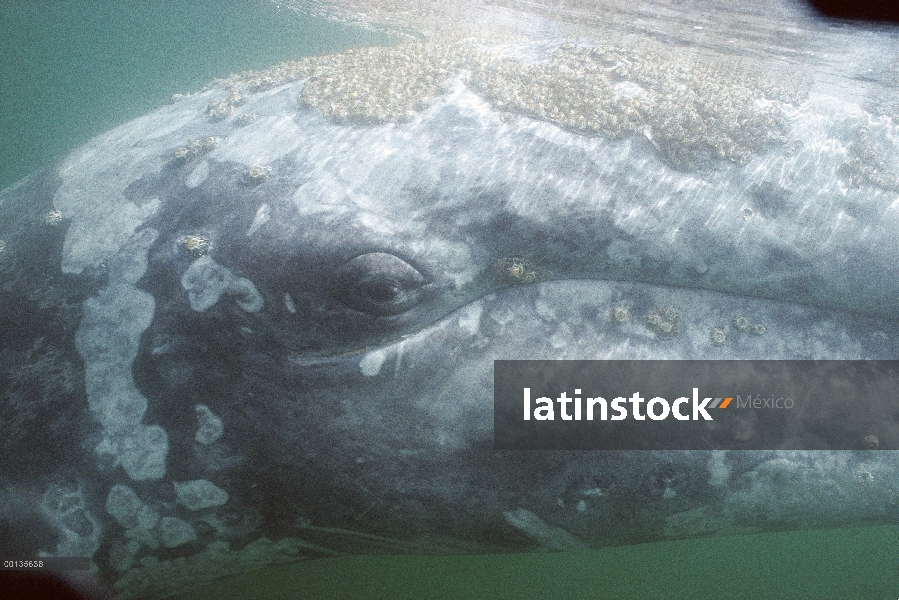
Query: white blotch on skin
(262, 216)
(470, 318)
(370, 365)
(289, 304)
(543, 309)
(198, 175)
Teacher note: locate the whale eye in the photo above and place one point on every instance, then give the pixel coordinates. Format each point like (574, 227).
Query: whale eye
(379, 284)
(382, 291)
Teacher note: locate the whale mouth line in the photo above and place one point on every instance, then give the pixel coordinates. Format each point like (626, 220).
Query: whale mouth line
(633, 289)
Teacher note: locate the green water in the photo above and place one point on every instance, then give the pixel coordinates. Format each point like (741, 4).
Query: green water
(72, 69)
(845, 564)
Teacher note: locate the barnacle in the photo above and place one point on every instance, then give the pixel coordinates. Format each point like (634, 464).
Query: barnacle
(717, 337)
(742, 324)
(196, 245)
(746, 213)
(2, 246)
(759, 329)
(517, 271)
(53, 217)
(257, 174)
(620, 313)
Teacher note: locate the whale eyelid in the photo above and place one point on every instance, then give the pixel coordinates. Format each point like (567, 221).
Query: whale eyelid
(379, 284)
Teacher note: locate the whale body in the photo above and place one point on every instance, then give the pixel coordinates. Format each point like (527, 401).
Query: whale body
(232, 343)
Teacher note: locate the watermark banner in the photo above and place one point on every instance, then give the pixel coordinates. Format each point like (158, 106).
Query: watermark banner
(696, 405)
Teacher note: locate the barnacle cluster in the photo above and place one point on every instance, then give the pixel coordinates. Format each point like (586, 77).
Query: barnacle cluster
(517, 271)
(237, 98)
(53, 217)
(664, 322)
(196, 147)
(864, 165)
(692, 112)
(257, 174)
(885, 103)
(196, 245)
(251, 82)
(218, 110)
(620, 313)
(689, 112)
(744, 325)
(718, 337)
(377, 85)
(245, 119)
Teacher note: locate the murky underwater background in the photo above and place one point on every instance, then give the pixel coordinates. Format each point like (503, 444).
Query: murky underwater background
(841, 563)
(73, 69)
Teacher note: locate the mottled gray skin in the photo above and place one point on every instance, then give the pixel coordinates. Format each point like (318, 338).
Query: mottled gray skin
(319, 377)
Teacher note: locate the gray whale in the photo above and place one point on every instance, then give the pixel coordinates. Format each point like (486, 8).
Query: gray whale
(230, 344)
